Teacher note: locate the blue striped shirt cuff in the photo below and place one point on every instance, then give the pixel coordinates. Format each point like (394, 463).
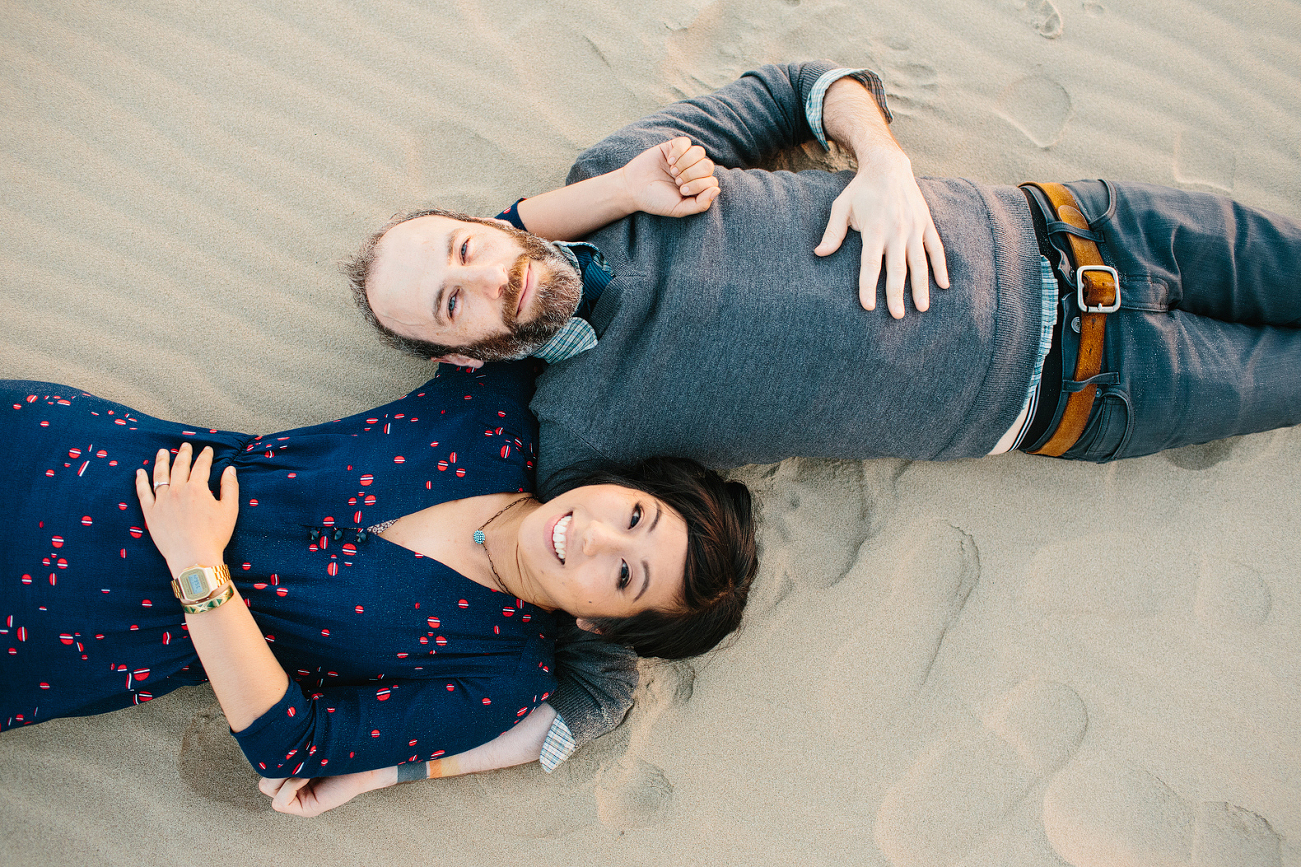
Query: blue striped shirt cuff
(813, 105)
(558, 746)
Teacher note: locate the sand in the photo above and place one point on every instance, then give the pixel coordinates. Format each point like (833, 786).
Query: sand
(1011, 661)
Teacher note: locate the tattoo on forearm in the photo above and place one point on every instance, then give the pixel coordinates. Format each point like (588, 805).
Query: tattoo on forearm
(409, 772)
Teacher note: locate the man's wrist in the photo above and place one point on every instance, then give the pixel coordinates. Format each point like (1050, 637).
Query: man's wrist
(849, 107)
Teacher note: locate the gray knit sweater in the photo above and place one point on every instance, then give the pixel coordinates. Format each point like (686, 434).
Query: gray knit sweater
(723, 338)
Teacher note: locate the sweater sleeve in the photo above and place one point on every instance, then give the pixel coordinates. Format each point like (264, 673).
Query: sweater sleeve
(739, 125)
(595, 682)
(340, 730)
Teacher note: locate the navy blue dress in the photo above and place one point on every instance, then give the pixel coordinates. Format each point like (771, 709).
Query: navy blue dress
(392, 656)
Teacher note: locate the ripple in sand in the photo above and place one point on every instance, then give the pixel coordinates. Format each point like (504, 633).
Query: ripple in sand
(1100, 812)
(1231, 596)
(1204, 160)
(967, 783)
(1093, 575)
(1038, 106)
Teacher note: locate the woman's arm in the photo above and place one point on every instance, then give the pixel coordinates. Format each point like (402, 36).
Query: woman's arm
(671, 179)
(311, 797)
(191, 527)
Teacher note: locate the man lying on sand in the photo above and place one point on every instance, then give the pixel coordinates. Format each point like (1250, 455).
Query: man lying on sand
(1095, 320)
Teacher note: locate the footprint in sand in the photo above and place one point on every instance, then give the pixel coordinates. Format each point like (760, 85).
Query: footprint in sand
(633, 794)
(1231, 596)
(932, 582)
(1100, 813)
(1038, 106)
(817, 514)
(967, 784)
(1097, 10)
(1044, 18)
(932, 569)
(1205, 160)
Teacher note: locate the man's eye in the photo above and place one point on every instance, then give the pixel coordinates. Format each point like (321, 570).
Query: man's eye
(453, 302)
(636, 516)
(625, 574)
(465, 251)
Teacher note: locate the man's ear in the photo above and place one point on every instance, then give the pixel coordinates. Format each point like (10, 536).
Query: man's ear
(505, 224)
(586, 625)
(459, 361)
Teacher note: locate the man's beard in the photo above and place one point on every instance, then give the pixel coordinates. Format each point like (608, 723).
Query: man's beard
(555, 300)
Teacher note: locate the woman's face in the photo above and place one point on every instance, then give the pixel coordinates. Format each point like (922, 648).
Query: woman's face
(604, 551)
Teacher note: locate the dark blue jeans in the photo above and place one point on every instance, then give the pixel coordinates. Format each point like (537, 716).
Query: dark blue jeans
(1207, 343)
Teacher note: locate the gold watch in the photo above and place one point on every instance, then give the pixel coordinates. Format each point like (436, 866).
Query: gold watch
(203, 588)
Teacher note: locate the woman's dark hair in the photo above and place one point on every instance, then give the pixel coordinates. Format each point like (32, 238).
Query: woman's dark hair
(722, 556)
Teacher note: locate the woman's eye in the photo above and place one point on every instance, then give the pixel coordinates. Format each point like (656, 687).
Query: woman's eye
(625, 574)
(636, 516)
(465, 251)
(453, 302)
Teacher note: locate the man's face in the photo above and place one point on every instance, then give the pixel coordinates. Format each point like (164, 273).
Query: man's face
(486, 289)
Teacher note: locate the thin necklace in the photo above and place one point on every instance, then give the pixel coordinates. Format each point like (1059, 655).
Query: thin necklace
(480, 539)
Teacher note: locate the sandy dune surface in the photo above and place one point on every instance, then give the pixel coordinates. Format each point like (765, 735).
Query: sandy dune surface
(1011, 661)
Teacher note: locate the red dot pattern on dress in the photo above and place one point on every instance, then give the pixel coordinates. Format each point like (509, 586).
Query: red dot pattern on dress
(368, 603)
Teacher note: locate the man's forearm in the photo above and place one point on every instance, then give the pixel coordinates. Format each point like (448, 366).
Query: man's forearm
(852, 118)
(570, 213)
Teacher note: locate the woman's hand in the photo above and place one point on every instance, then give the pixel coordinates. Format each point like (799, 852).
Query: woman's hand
(188, 524)
(672, 179)
(312, 797)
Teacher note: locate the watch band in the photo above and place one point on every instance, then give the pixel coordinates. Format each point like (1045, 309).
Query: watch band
(200, 583)
(221, 598)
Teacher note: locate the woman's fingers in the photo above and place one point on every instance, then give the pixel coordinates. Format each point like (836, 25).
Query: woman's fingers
(162, 469)
(181, 466)
(144, 490)
(270, 785)
(229, 502)
(288, 793)
(202, 468)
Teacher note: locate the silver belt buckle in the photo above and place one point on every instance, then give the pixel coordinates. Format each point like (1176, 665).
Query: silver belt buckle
(1079, 288)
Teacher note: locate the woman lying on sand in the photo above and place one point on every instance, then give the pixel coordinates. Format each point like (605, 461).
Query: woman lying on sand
(362, 593)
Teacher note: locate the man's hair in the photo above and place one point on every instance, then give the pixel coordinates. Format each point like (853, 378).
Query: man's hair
(357, 269)
(722, 556)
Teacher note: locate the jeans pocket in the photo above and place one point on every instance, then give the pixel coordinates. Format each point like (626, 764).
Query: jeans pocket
(1108, 429)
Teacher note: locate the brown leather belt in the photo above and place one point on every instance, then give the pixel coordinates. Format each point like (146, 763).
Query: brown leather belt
(1097, 291)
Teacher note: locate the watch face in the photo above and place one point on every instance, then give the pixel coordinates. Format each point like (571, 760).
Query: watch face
(194, 583)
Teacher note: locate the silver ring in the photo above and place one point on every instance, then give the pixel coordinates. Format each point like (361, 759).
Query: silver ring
(160, 485)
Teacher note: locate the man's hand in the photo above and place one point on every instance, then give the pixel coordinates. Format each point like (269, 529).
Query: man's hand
(882, 203)
(671, 179)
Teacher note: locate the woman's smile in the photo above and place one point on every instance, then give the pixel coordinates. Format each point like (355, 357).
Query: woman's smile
(558, 532)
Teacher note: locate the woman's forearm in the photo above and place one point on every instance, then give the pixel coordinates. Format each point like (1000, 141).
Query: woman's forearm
(311, 797)
(572, 212)
(245, 675)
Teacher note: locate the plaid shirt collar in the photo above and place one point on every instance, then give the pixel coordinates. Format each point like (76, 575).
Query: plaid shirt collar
(577, 335)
